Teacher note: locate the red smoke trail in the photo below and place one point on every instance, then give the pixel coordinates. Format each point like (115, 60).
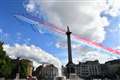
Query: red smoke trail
(97, 45)
(53, 27)
(61, 31)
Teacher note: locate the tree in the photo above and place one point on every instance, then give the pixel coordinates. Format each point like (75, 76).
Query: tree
(23, 68)
(8, 66)
(5, 63)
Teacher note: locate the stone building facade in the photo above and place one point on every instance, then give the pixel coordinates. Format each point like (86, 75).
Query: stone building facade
(46, 72)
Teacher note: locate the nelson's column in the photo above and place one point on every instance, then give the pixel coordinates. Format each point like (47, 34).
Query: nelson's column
(70, 65)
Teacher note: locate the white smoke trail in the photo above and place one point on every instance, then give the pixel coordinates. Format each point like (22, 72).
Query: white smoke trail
(83, 16)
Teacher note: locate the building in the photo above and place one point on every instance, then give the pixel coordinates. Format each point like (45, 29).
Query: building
(88, 70)
(29, 66)
(114, 68)
(113, 65)
(46, 72)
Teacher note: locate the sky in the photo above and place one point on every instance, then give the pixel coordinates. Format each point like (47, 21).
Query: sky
(25, 35)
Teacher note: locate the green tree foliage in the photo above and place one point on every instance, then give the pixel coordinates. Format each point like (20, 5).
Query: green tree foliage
(23, 68)
(5, 63)
(8, 66)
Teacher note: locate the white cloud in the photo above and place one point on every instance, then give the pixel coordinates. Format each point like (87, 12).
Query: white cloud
(63, 45)
(83, 16)
(117, 48)
(30, 7)
(83, 53)
(96, 55)
(114, 8)
(33, 53)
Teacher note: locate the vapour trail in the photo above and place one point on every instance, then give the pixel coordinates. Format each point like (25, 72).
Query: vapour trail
(33, 20)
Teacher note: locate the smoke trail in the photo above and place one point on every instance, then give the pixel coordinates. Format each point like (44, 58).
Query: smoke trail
(93, 46)
(83, 16)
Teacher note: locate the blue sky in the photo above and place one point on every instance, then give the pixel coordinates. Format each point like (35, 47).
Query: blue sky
(14, 27)
(13, 30)
(17, 31)
(113, 32)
